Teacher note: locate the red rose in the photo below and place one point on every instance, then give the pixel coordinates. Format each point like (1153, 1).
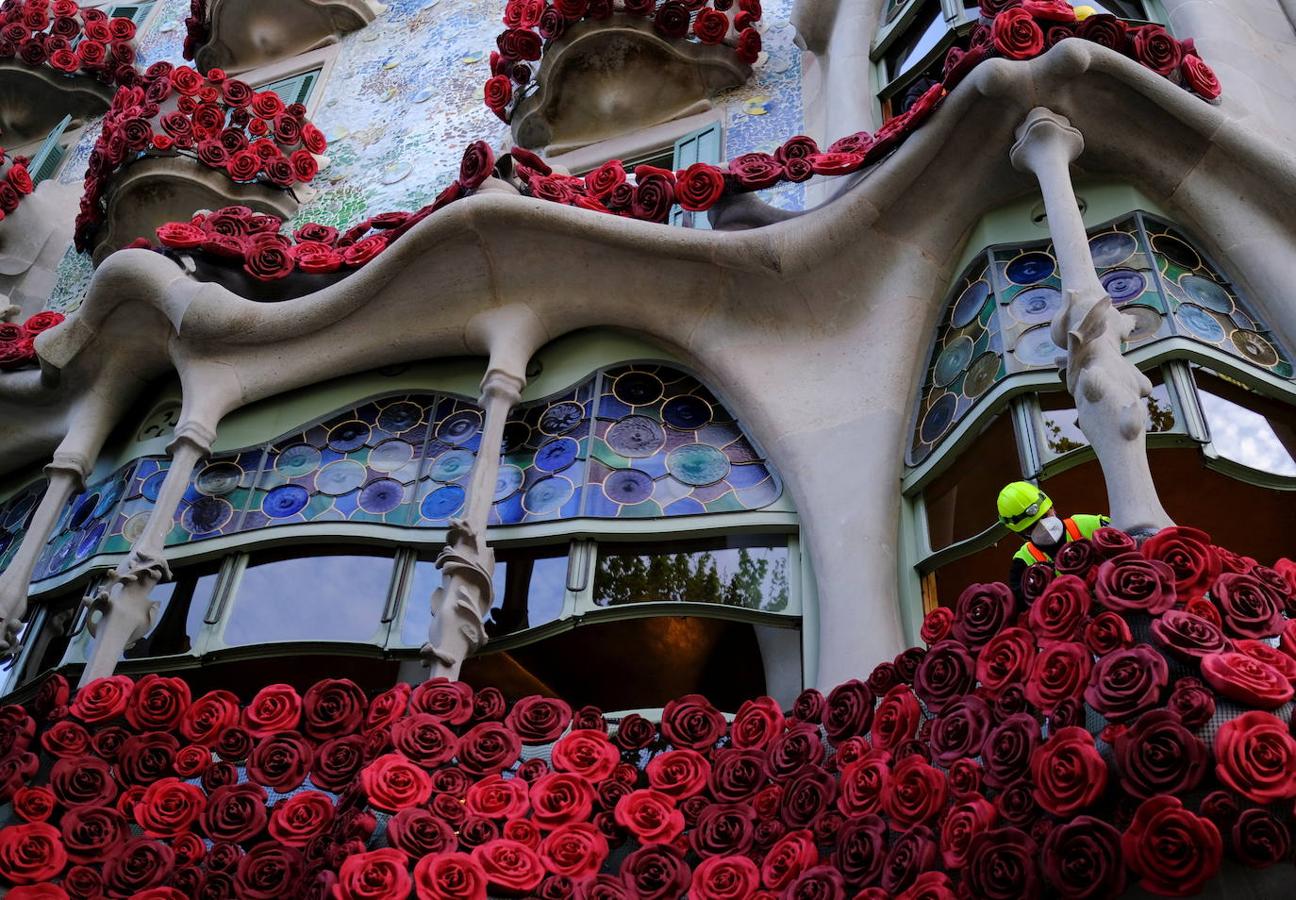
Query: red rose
(1106, 632)
(1002, 863)
(364, 250)
(807, 794)
(672, 20)
(959, 731)
(375, 875)
(169, 806)
(423, 739)
(575, 851)
(1068, 772)
(1130, 582)
(698, 187)
(755, 171)
(1256, 756)
(140, 864)
(835, 163)
(862, 784)
(964, 822)
(725, 877)
(1173, 852)
(299, 819)
(914, 793)
(653, 196)
(656, 872)
(849, 710)
(157, 703)
(1059, 673)
(748, 47)
(1259, 838)
(488, 748)
(650, 815)
(19, 178)
(314, 258)
(519, 43)
(449, 876)
(734, 775)
(1188, 551)
(1082, 858)
(1157, 755)
(981, 612)
(333, 707)
(280, 761)
(31, 853)
(1155, 48)
(757, 723)
(1199, 77)
(587, 753)
(678, 773)
(509, 866)
(1016, 35)
(102, 699)
(710, 26)
(799, 746)
(91, 833)
(1125, 683)
(1246, 680)
(337, 762)
(1005, 659)
(1060, 612)
(1250, 607)
(268, 871)
(34, 804)
(392, 783)
(1187, 636)
(66, 738)
(692, 722)
(477, 164)
(234, 812)
(275, 707)
(84, 780)
(208, 716)
(1008, 749)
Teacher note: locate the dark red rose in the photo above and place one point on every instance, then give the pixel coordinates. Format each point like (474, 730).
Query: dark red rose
(799, 746)
(140, 864)
(885, 675)
(1247, 680)
(735, 774)
(1250, 607)
(333, 707)
(208, 716)
(1002, 863)
(1256, 756)
(1016, 35)
(1173, 852)
(102, 699)
(1187, 636)
(1192, 701)
(519, 43)
(1059, 673)
(698, 187)
(809, 706)
(1076, 558)
(423, 739)
(1157, 755)
(539, 720)
(81, 781)
(965, 821)
(1106, 632)
(818, 883)
(297, 820)
(1188, 551)
(337, 762)
(755, 171)
(678, 773)
(937, 625)
(1130, 582)
(276, 707)
(1008, 750)
(915, 793)
(1068, 772)
(860, 853)
(656, 872)
(449, 876)
(808, 793)
(66, 738)
(757, 723)
(497, 798)
(672, 19)
(169, 806)
(748, 47)
(268, 871)
(1109, 542)
(1060, 612)
(653, 196)
(234, 813)
(692, 722)
(280, 761)
(1104, 29)
(1082, 859)
(946, 672)
(219, 774)
(83, 881)
(1155, 48)
(392, 783)
(959, 64)
(1005, 659)
(960, 730)
(92, 833)
(1125, 683)
(725, 877)
(510, 867)
(981, 612)
(849, 711)
(723, 829)
(913, 852)
(419, 833)
(31, 853)
(34, 804)
(488, 748)
(1199, 77)
(634, 732)
(1260, 839)
(375, 875)
(650, 815)
(907, 663)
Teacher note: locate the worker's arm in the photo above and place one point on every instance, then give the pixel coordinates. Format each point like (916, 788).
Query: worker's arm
(1015, 579)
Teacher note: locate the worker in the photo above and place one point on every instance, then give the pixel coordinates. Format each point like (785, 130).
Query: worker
(1028, 511)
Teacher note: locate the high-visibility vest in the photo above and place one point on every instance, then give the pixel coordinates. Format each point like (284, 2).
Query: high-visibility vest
(1076, 528)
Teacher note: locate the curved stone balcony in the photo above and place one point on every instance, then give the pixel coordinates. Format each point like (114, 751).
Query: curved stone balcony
(237, 35)
(605, 77)
(34, 99)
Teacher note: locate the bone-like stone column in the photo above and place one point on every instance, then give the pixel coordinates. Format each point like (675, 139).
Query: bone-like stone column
(122, 600)
(1107, 388)
(459, 606)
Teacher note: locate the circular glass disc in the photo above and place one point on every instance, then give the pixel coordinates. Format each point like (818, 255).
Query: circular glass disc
(547, 495)
(686, 412)
(284, 501)
(1036, 347)
(556, 455)
(218, 478)
(981, 375)
(382, 495)
(1030, 268)
(391, 455)
(636, 437)
(1255, 348)
(969, 303)
(459, 428)
(451, 465)
(206, 514)
(442, 503)
(561, 417)
(1112, 249)
(1207, 293)
(298, 460)
(347, 436)
(1176, 251)
(340, 477)
(1123, 284)
(1147, 321)
(697, 464)
(628, 486)
(400, 416)
(1200, 323)
(637, 388)
(953, 360)
(1036, 305)
(938, 418)
(507, 482)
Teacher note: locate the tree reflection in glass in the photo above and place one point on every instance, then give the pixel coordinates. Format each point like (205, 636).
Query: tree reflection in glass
(749, 574)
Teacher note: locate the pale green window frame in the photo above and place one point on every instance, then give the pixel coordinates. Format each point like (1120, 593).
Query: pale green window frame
(136, 12)
(46, 161)
(706, 145)
(295, 88)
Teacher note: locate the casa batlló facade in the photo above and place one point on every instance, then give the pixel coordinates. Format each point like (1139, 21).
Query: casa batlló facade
(464, 448)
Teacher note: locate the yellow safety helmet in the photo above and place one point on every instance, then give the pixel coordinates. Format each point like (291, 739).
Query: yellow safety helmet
(1021, 505)
(1084, 12)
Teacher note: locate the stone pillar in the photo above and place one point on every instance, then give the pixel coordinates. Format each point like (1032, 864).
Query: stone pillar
(1108, 389)
(66, 473)
(510, 335)
(122, 600)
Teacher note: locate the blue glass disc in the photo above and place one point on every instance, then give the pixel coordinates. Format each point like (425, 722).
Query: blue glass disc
(442, 503)
(298, 460)
(347, 436)
(398, 417)
(206, 514)
(1123, 284)
(82, 509)
(382, 495)
(556, 455)
(1207, 293)
(109, 496)
(561, 417)
(686, 412)
(218, 478)
(284, 501)
(17, 515)
(516, 434)
(1112, 249)
(697, 464)
(953, 360)
(391, 455)
(938, 418)
(1036, 348)
(636, 437)
(90, 542)
(1037, 305)
(628, 486)
(548, 495)
(451, 465)
(507, 482)
(637, 388)
(1200, 323)
(969, 303)
(459, 428)
(342, 476)
(1030, 268)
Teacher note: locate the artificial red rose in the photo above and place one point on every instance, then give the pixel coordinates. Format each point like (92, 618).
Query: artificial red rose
(509, 866)
(1188, 551)
(477, 164)
(1008, 749)
(169, 806)
(575, 851)
(960, 730)
(860, 851)
(375, 875)
(722, 829)
(885, 675)
(31, 853)
(981, 612)
(234, 812)
(734, 774)
(496, 798)
(691, 722)
(1173, 852)
(650, 816)
(1188, 637)
(1060, 611)
(710, 26)
(1247, 680)
(757, 723)
(102, 699)
(276, 707)
(1082, 859)
(1016, 35)
(1259, 839)
(937, 625)
(488, 748)
(1155, 48)
(208, 716)
(1001, 864)
(392, 783)
(81, 780)
(1199, 77)
(140, 864)
(20, 179)
(678, 773)
(945, 673)
(1005, 659)
(539, 720)
(1125, 683)
(797, 747)
(1249, 607)
(280, 761)
(268, 871)
(818, 883)
(849, 710)
(653, 195)
(755, 171)
(914, 851)
(1076, 558)
(33, 804)
(519, 43)
(1157, 755)
(1067, 771)
(83, 881)
(423, 739)
(1270, 656)
(91, 833)
(419, 832)
(299, 819)
(244, 165)
(333, 707)
(1050, 10)
(449, 876)
(805, 795)
(590, 754)
(157, 703)
(337, 762)
(672, 20)
(363, 251)
(960, 825)
(1256, 756)
(66, 738)
(698, 187)
(835, 163)
(1130, 582)
(314, 258)
(914, 793)
(748, 47)
(862, 784)
(1106, 632)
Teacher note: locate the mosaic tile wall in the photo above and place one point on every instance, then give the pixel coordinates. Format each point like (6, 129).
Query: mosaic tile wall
(405, 97)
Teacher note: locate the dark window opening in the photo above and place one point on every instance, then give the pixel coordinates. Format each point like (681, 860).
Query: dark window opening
(183, 603)
(961, 500)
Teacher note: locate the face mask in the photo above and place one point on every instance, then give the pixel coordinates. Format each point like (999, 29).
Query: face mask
(1052, 528)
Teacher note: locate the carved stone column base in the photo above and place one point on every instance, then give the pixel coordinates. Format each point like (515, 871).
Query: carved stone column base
(461, 603)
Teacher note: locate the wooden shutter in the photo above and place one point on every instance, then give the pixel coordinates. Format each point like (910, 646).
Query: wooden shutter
(46, 161)
(706, 146)
(294, 89)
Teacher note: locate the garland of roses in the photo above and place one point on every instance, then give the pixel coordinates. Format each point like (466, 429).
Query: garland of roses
(68, 39)
(221, 122)
(15, 184)
(196, 28)
(962, 768)
(17, 348)
(531, 24)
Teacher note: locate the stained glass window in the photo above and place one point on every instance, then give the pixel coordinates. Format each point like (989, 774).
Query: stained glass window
(999, 313)
(542, 470)
(15, 515)
(83, 524)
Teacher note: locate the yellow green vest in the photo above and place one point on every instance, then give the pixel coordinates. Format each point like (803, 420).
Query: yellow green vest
(1077, 527)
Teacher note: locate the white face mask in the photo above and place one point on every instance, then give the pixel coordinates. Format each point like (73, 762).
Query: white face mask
(1048, 531)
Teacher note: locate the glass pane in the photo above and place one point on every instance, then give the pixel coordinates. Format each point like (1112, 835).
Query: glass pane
(921, 37)
(751, 573)
(1126, 9)
(530, 587)
(1062, 434)
(310, 598)
(961, 500)
(51, 640)
(183, 603)
(1247, 428)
